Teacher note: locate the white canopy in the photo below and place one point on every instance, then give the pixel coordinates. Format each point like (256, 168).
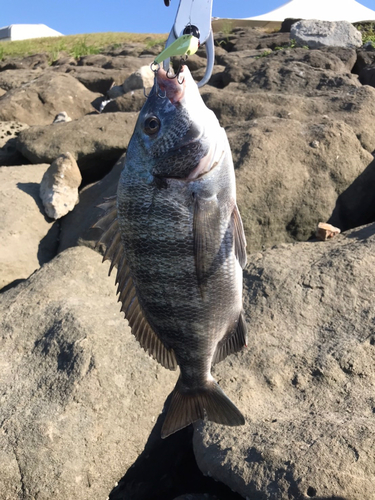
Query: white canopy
(26, 31)
(323, 10)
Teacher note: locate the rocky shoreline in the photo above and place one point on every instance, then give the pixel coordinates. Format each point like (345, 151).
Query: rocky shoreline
(81, 403)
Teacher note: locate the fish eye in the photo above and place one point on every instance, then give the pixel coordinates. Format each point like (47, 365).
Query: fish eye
(151, 125)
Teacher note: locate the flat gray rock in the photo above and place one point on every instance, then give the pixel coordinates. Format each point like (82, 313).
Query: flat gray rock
(96, 141)
(305, 382)
(79, 396)
(40, 100)
(316, 34)
(28, 238)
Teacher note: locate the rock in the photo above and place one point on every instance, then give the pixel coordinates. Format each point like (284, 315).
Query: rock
(128, 62)
(94, 60)
(79, 395)
(305, 381)
(356, 108)
(11, 79)
(62, 117)
(306, 72)
(95, 141)
(27, 238)
(64, 60)
(34, 61)
(367, 75)
(38, 102)
(59, 186)
(97, 79)
(2, 92)
(364, 58)
(316, 34)
(8, 151)
(285, 187)
(326, 231)
(142, 78)
(132, 101)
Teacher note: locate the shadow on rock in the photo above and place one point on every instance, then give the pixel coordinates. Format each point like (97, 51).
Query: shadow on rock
(355, 206)
(32, 189)
(167, 469)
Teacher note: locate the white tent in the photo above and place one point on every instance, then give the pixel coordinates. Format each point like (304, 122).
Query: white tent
(26, 31)
(324, 10)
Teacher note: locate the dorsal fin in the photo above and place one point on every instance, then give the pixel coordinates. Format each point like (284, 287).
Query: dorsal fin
(114, 252)
(233, 342)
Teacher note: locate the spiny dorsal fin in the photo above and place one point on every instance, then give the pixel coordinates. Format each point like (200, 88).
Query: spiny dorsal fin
(232, 343)
(114, 252)
(238, 237)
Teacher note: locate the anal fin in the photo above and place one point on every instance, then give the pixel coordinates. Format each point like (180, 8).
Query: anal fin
(232, 343)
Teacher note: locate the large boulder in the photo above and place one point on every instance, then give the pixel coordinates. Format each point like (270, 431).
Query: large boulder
(96, 141)
(290, 174)
(305, 382)
(79, 396)
(304, 72)
(10, 79)
(28, 238)
(38, 102)
(316, 34)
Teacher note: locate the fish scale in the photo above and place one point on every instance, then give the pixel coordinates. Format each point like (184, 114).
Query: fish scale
(181, 247)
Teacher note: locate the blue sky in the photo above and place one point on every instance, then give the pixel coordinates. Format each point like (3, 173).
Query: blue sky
(138, 16)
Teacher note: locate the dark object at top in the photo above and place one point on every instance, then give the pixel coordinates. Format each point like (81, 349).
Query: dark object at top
(286, 24)
(190, 29)
(167, 2)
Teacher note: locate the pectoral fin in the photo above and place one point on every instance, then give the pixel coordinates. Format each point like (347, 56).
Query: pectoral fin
(238, 237)
(206, 237)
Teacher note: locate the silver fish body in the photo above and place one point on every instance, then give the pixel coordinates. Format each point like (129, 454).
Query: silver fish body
(183, 246)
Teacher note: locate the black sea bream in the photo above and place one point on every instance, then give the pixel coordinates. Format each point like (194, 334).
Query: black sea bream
(176, 236)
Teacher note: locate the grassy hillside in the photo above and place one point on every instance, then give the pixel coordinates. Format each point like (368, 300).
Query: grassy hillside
(75, 45)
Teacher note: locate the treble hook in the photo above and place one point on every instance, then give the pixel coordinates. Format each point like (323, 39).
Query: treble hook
(182, 60)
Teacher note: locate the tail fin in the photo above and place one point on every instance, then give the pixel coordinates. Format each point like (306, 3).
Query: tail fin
(189, 405)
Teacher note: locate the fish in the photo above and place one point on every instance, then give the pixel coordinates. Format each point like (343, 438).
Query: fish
(175, 234)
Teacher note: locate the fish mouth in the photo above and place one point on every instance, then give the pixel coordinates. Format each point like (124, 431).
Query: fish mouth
(172, 87)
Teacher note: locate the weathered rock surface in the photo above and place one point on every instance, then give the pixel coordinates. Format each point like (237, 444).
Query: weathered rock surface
(34, 61)
(8, 150)
(96, 141)
(299, 69)
(97, 79)
(10, 79)
(79, 396)
(286, 202)
(38, 102)
(59, 186)
(316, 34)
(142, 78)
(305, 382)
(27, 238)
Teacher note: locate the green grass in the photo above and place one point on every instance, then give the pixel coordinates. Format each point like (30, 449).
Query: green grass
(75, 45)
(368, 32)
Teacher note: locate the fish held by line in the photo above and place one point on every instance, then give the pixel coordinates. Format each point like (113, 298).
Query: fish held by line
(175, 234)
